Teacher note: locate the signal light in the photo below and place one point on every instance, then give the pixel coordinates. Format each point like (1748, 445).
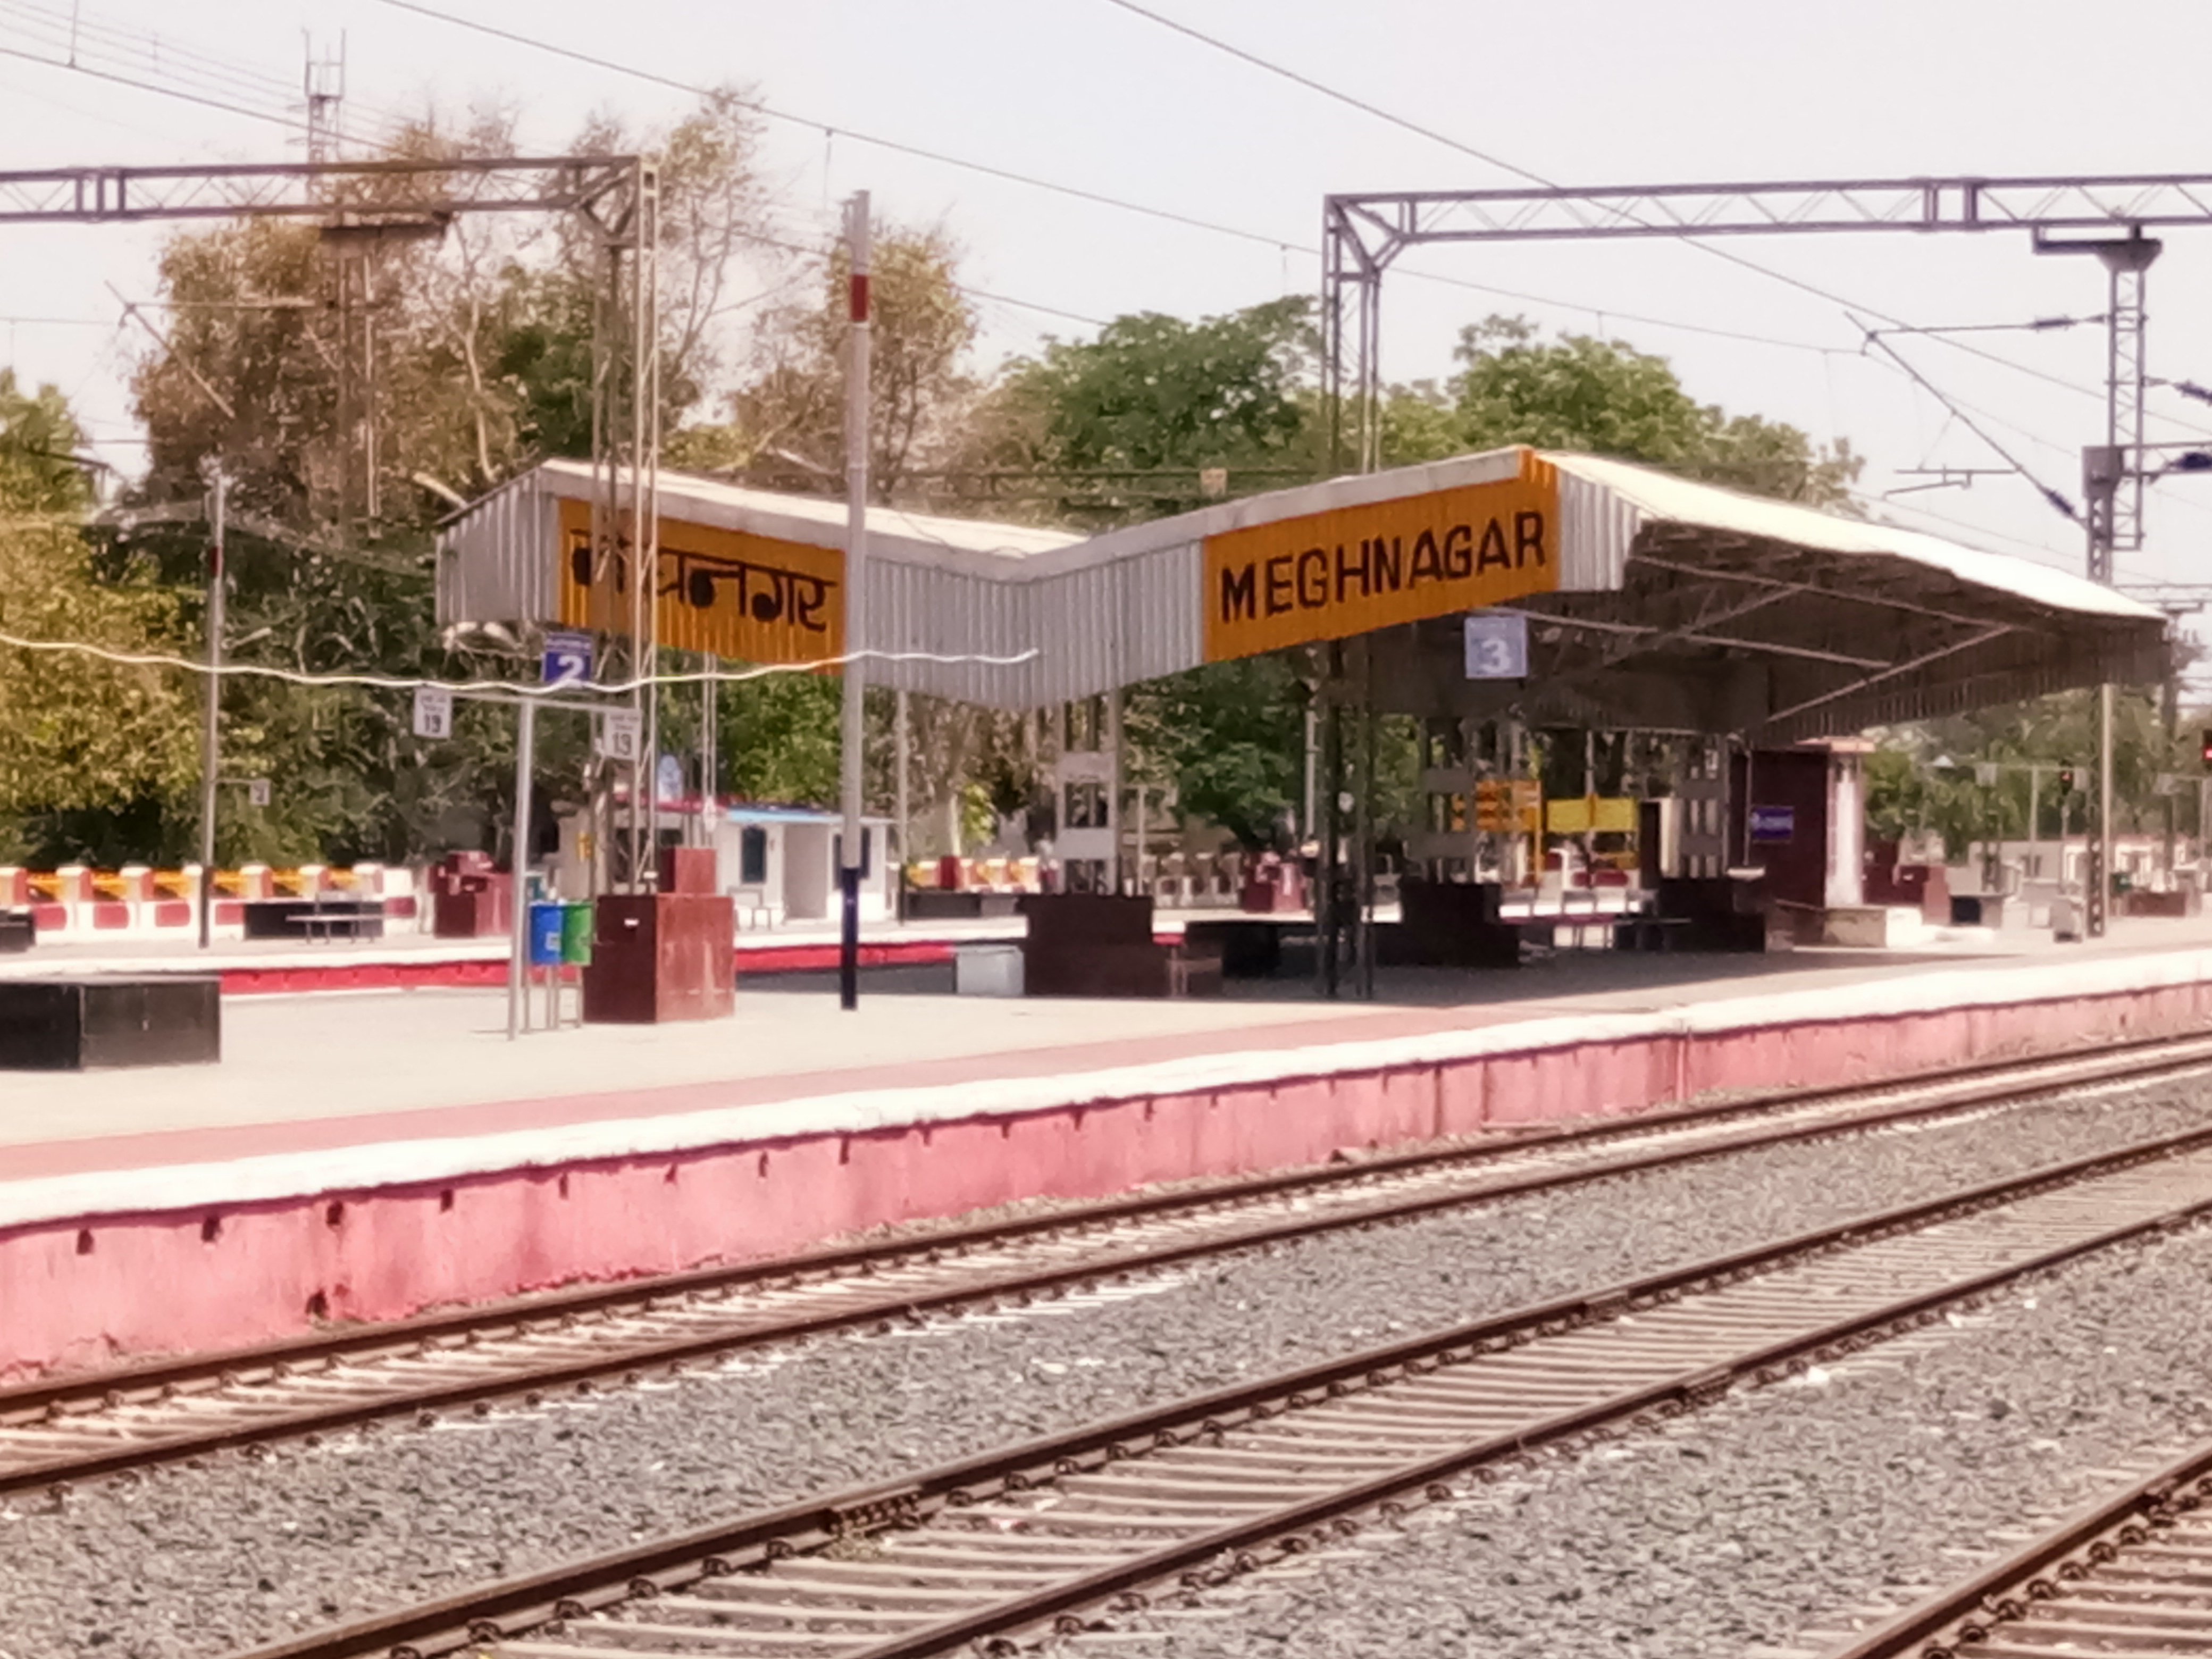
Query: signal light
(2204, 749)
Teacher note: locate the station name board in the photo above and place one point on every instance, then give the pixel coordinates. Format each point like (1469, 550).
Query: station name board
(747, 598)
(1352, 569)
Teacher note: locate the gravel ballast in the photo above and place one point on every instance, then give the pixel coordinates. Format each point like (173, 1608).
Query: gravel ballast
(1783, 1518)
(190, 1561)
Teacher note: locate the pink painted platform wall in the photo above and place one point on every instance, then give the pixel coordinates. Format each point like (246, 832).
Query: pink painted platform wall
(86, 1294)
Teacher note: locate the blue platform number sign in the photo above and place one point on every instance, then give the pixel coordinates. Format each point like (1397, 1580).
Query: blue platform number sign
(1496, 646)
(567, 657)
(1772, 823)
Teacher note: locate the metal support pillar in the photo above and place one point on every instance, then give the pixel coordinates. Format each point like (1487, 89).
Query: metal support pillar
(517, 965)
(852, 728)
(1328, 909)
(710, 762)
(1363, 840)
(2034, 821)
(211, 730)
(2101, 861)
(895, 858)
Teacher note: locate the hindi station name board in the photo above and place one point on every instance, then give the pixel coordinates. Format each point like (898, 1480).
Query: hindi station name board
(1349, 570)
(747, 598)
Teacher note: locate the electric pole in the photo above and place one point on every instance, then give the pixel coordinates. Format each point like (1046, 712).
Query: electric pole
(211, 731)
(852, 728)
(2112, 491)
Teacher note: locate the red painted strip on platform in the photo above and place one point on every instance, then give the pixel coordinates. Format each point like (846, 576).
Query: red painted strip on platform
(293, 977)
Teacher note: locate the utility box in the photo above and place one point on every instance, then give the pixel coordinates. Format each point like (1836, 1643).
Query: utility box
(665, 956)
(469, 899)
(987, 970)
(83, 1025)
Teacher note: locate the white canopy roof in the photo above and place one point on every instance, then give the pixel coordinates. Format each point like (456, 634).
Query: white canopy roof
(1829, 620)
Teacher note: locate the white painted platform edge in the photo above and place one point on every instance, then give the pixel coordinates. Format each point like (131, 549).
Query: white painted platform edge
(414, 1162)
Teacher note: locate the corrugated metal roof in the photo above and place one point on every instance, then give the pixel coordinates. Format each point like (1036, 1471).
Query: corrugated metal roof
(1660, 495)
(1128, 605)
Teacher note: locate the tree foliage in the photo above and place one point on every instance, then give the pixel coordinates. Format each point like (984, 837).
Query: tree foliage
(1155, 395)
(1925, 779)
(1605, 398)
(90, 752)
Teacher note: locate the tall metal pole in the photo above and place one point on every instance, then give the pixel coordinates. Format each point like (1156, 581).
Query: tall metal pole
(517, 965)
(2034, 826)
(852, 728)
(2104, 806)
(211, 733)
(710, 762)
(903, 808)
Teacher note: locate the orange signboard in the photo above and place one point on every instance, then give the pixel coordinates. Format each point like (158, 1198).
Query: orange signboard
(747, 598)
(1352, 569)
(1508, 806)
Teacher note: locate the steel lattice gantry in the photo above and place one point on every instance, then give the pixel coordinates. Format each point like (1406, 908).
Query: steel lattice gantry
(617, 197)
(2106, 214)
(1363, 233)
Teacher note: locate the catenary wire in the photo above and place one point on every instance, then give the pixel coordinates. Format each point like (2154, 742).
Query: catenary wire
(1718, 252)
(1075, 192)
(405, 683)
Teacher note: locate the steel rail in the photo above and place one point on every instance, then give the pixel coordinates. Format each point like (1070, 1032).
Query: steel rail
(2062, 1568)
(871, 1284)
(2048, 1217)
(74, 1429)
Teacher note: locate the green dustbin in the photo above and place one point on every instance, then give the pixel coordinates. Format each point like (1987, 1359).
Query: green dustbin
(576, 935)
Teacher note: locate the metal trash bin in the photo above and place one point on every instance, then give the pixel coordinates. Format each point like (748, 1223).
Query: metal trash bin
(547, 929)
(576, 935)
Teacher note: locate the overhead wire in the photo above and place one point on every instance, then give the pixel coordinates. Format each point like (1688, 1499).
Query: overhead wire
(91, 46)
(1519, 172)
(407, 683)
(1077, 192)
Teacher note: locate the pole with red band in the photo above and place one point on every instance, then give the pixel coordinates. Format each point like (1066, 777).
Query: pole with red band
(851, 847)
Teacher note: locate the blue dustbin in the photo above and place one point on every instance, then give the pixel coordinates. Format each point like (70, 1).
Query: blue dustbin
(545, 935)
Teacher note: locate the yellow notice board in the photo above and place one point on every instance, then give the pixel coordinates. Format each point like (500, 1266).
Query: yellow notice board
(752, 599)
(1606, 816)
(1329, 575)
(1508, 806)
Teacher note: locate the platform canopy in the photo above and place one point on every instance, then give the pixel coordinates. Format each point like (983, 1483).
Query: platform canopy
(1651, 602)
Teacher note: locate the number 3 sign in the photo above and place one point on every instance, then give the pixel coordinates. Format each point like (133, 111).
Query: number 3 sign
(1496, 646)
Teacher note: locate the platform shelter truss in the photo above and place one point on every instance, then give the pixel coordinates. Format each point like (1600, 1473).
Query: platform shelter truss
(1655, 602)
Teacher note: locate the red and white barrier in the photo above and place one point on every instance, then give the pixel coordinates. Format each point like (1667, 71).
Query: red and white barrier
(138, 902)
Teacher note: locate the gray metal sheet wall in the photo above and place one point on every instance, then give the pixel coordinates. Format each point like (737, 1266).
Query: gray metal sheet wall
(497, 564)
(1093, 629)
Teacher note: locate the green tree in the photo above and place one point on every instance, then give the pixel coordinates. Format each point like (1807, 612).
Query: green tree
(1155, 395)
(785, 421)
(1925, 778)
(90, 751)
(483, 355)
(1604, 397)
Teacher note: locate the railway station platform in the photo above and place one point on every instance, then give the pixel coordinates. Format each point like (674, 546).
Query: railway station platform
(364, 1157)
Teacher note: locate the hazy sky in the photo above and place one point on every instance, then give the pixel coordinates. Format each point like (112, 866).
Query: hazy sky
(1084, 93)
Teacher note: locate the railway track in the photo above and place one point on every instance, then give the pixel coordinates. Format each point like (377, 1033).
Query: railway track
(2130, 1578)
(57, 1432)
(1048, 1536)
